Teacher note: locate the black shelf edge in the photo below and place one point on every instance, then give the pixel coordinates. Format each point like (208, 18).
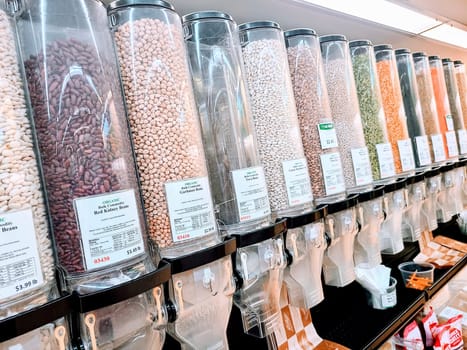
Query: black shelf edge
(307, 218)
(398, 323)
(202, 257)
(87, 302)
(246, 239)
(29, 320)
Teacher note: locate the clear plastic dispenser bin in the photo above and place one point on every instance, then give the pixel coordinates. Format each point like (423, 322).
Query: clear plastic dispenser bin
(259, 267)
(413, 108)
(430, 206)
(454, 102)
(446, 204)
(85, 148)
(413, 218)
(43, 327)
(461, 78)
(305, 243)
(341, 227)
(27, 264)
(165, 125)
(52, 336)
(345, 110)
(201, 288)
(393, 104)
(446, 122)
(275, 118)
(394, 203)
(371, 111)
(314, 114)
(236, 176)
(370, 217)
(428, 105)
(129, 316)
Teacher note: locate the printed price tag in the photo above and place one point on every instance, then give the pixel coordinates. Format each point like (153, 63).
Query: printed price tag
(20, 268)
(297, 181)
(406, 154)
(332, 173)
(449, 122)
(251, 193)
(389, 299)
(190, 208)
(385, 160)
(110, 228)
(438, 147)
(327, 135)
(462, 135)
(361, 166)
(423, 150)
(451, 141)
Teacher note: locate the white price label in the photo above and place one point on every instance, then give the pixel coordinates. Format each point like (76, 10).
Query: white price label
(406, 155)
(251, 193)
(327, 135)
(423, 150)
(451, 141)
(332, 173)
(190, 208)
(20, 268)
(361, 166)
(462, 134)
(438, 147)
(389, 299)
(110, 228)
(449, 122)
(385, 160)
(297, 181)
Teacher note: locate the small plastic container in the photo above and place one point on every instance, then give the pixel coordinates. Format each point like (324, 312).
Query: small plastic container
(446, 123)
(27, 263)
(393, 105)
(417, 275)
(314, 114)
(203, 298)
(85, 147)
(275, 118)
(341, 227)
(428, 103)
(52, 336)
(136, 323)
(164, 122)
(371, 111)
(370, 217)
(412, 221)
(412, 107)
(236, 176)
(430, 205)
(459, 181)
(346, 113)
(461, 78)
(306, 244)
(394, 204)
(383, 299)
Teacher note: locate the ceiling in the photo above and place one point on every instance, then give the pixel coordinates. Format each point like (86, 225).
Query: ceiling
(297, 13)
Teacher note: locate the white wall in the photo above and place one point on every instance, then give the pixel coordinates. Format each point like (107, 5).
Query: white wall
(291, 13)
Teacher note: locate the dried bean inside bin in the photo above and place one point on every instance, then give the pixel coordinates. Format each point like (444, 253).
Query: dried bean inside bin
(311, 109)
(80, 136)
(20, 185)
(273, 109)
(162, 114)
